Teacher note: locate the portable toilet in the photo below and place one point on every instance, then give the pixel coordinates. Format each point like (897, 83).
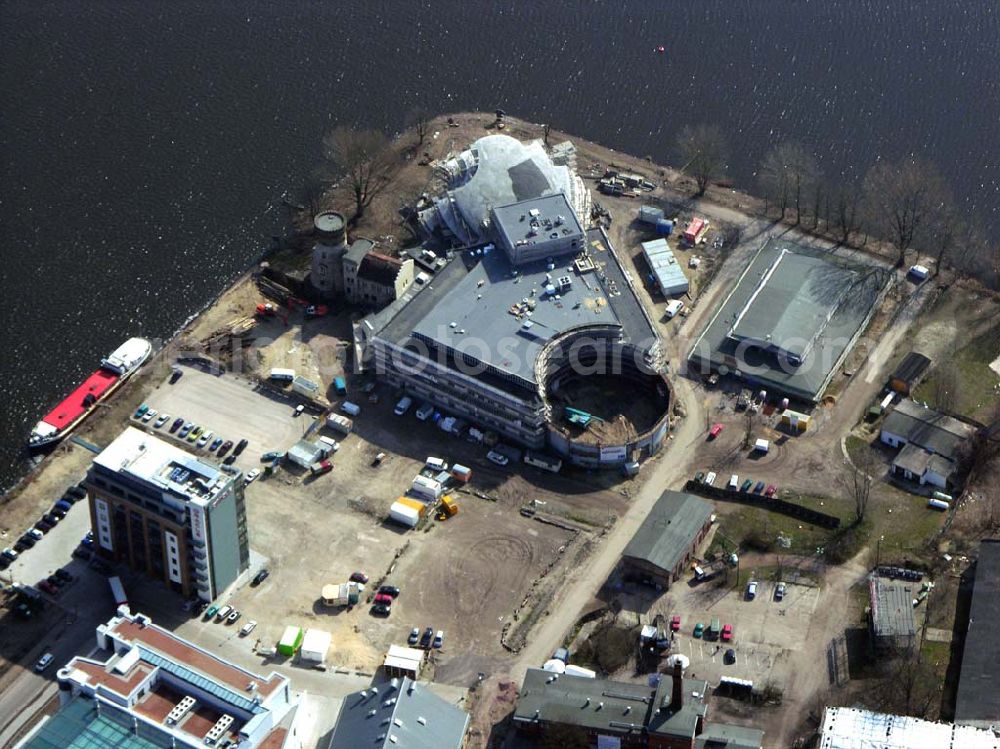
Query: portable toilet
(664, 227)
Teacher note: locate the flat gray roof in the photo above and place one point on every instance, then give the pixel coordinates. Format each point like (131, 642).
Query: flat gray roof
(536, 219)
(467, 307)
(725, 736)
(892, 608)
(664, 266)
(792, 302)
(667, 533)
(978, 699)
(716, 348)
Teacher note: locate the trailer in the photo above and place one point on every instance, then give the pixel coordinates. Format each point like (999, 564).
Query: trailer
(118, 591)
(426, 488)
(461, 473)
(339, 423)
(315, 645)
(279, 374)
(291, 641)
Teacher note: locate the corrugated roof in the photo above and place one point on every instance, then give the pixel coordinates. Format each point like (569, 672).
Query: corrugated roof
(892, 607)
(911, 368)
(850, 728)
(667, 533)
(668, 272)
(978, 699)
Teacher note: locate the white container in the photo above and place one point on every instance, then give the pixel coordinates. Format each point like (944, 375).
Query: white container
(404, 515)
(282, 375)
(352, 409)
(426, 488)
(436, 463)
(586, 673)
(938, 504)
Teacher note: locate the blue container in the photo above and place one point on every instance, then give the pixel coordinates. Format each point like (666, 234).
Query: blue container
(665, 227)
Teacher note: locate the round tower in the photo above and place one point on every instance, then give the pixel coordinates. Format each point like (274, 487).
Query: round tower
(327, 259)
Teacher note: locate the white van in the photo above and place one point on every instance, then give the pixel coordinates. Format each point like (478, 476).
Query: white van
(734, 482)
(331, 444)
(425, 411)
(403, 405)
(436, 463)
(222, 613)
(673, 307)
(352, 409)
(710, 478)
(43, 662)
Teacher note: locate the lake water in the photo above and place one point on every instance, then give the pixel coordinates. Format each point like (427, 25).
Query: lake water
(146, 146)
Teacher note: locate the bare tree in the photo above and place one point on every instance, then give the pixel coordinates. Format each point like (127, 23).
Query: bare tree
(858, 478)
(703, 150)
(787, 173)
(847, 213)
(421, 124)
(905, 199)
(364, 160)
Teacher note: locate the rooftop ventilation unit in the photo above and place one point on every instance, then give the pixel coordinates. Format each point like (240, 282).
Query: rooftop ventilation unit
(216, 732)
(181, 709)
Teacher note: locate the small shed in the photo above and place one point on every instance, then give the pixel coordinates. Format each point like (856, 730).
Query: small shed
(762, 446)
(305, 387)
(909, 372)
(305, 453)
(649, 214)
(291, 640)
(403, 661)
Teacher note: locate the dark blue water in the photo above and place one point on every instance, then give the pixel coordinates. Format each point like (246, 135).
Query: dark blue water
(146, 146)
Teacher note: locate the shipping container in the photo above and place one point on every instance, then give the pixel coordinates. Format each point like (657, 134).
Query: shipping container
(282, 375)
(586, 673)
(305, 387)
(291, 641)
(404, 515)
(695, 230)
(340, 385)
(315, 644)
(352, 409)
(461, 473)
(339, 423)
(118, 591)
(664, 227)
(425, 487)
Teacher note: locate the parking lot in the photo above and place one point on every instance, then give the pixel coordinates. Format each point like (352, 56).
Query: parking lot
(767, 634)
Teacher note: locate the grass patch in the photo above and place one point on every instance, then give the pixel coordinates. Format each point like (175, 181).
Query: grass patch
(857, 448)
(976, 386)
(758, 529)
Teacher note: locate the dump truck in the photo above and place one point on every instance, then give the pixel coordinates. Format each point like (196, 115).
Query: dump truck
(448, 506)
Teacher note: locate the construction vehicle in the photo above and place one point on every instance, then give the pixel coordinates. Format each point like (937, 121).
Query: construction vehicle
(448, 508)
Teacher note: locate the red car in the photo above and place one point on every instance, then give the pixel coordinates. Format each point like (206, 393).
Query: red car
(714, 431)
(675, 623)
(727, 632)
(771, 490)
(48, 587)
(384, 598)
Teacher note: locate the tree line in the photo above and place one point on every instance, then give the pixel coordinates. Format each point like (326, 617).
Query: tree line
(907, 203)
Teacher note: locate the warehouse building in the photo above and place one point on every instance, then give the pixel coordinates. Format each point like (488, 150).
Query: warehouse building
(790, 321)
(932, 444)
(150, 689)
(977, 701)
(664, 544)
(399, 712)
(891, 624)
(168, 514)
(666, 270)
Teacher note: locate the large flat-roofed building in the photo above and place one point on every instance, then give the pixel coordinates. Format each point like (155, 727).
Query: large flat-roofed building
(852, 728)
(488, 340)
(536, 229)
(667, 539)
(168, 514)
(790, 320)
(149, 689)
(977, 702)
(891, 624)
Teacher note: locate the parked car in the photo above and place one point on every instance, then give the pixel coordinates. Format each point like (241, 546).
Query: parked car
(499, 458)
(675, 623)
(44, 662)
(149, 414)
(36, 534)
(141, 411)
(771, 490)
(230, 459)
(161, 420)
(260, 577)
(699, 477)
(414, 637)
(211, 611)
(734, 482)
(403, 405)
(380, 609)
(746, 485)
(751, 590)
(216, 444)
(221, 614)
(195, 433)
(779, 592)
(240, 446)
(699, 630)
(251, 476)
(233, 616)
(727, 632)
(43, 525)
(389, 590)
(47, 587)
(178, 423)
(715, 431)
(383, 598)
(9, 554)
(52, 519)
(77, 491)
(298, 410)
(247, 628)
(709, 478)
(438, 639)
(185, 430)
(204, 438)
(427, 637)
(425, 411)
(358, 577)
(271, 455)
(377, 460)
(225, 447)
(729, 657)
(759, 487)
(55, 582)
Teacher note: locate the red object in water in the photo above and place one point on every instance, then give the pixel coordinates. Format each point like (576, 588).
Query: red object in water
(661, 49)
(77, 403)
